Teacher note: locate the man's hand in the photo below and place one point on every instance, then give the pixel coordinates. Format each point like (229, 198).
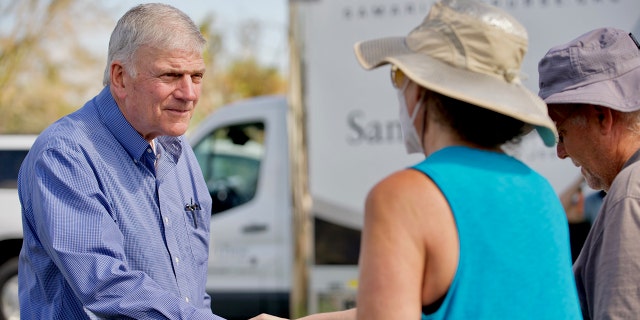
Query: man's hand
(265, 316)
(336, 315)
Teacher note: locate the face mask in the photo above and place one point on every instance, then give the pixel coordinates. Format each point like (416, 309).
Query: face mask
(412, 142)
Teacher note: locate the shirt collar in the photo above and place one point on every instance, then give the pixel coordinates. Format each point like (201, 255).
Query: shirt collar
(126, 135)
(634, 158)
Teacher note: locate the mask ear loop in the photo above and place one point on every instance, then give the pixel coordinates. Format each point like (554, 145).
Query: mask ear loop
(421, 103)
(420, 100)
(417, 107)
(405, 85)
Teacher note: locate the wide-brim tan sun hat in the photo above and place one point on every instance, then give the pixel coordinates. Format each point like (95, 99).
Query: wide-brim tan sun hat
(470, 51)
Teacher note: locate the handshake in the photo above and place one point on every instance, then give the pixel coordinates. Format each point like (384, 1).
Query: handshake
(337, 315)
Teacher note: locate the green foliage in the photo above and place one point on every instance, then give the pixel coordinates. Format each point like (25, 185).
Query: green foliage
(49, 66)
(245, 78)
(40, 58)
(240, 79)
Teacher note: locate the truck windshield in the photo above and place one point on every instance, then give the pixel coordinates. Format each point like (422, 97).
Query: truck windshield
(230, 160)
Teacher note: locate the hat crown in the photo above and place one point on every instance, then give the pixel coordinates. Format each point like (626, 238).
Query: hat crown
(474, 36)
(598, 55)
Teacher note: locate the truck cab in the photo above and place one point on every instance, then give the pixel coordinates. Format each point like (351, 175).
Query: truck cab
(243, 154)
(243, 150)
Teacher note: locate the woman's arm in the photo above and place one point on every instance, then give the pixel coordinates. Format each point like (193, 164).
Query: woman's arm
(409, 248)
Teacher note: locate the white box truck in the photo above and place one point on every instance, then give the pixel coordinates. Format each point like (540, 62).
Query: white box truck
(318, 151)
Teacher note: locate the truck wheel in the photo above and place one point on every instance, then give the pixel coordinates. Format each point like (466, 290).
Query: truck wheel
(9, 305)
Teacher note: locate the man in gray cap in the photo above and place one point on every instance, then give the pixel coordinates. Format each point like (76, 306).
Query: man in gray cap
(591, 86)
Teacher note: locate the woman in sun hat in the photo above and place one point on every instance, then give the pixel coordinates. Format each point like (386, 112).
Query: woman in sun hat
(470, 232)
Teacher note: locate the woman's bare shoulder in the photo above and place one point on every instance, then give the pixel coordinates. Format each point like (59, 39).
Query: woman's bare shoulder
(408, 189)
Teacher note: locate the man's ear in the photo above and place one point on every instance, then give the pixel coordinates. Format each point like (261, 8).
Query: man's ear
(117, 78)
(605, 118)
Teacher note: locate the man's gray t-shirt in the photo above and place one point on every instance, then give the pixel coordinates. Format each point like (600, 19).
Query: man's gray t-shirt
(608, 269)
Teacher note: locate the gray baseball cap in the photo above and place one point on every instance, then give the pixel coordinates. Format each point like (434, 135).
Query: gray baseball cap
(600, 67)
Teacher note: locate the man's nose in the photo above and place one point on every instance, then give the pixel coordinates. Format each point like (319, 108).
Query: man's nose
(187, 89)
(560, 151)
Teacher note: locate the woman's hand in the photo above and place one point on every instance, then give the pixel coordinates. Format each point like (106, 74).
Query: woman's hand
(265, 316)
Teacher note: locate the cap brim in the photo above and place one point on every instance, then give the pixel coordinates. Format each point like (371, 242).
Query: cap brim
(510, 99)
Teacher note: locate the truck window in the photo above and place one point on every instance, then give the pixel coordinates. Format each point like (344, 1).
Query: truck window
(335, 244)
(11, 161)
(230, 160)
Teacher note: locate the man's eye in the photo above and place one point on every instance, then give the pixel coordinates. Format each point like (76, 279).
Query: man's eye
(197, 78)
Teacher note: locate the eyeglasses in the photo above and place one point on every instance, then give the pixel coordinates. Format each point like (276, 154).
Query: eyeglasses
(397, 77)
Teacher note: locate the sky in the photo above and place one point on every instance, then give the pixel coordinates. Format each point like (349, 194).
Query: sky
(229, 15)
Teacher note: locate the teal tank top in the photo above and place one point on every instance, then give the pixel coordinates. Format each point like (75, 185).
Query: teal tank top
(515, 259)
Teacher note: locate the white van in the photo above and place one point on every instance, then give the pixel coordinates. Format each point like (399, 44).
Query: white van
(243, 150)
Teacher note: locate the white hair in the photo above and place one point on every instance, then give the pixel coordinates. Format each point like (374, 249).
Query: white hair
(154, 24)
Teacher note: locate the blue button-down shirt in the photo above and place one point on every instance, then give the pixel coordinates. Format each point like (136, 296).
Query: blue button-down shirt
(112, 229)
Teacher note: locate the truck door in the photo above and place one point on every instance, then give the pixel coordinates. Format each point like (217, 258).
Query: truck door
(242, 151)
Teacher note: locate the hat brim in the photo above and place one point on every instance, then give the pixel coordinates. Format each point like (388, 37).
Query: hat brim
(489, 92)
(620, 93)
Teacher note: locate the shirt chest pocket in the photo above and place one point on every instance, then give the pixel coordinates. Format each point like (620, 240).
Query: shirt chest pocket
(198, 226)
